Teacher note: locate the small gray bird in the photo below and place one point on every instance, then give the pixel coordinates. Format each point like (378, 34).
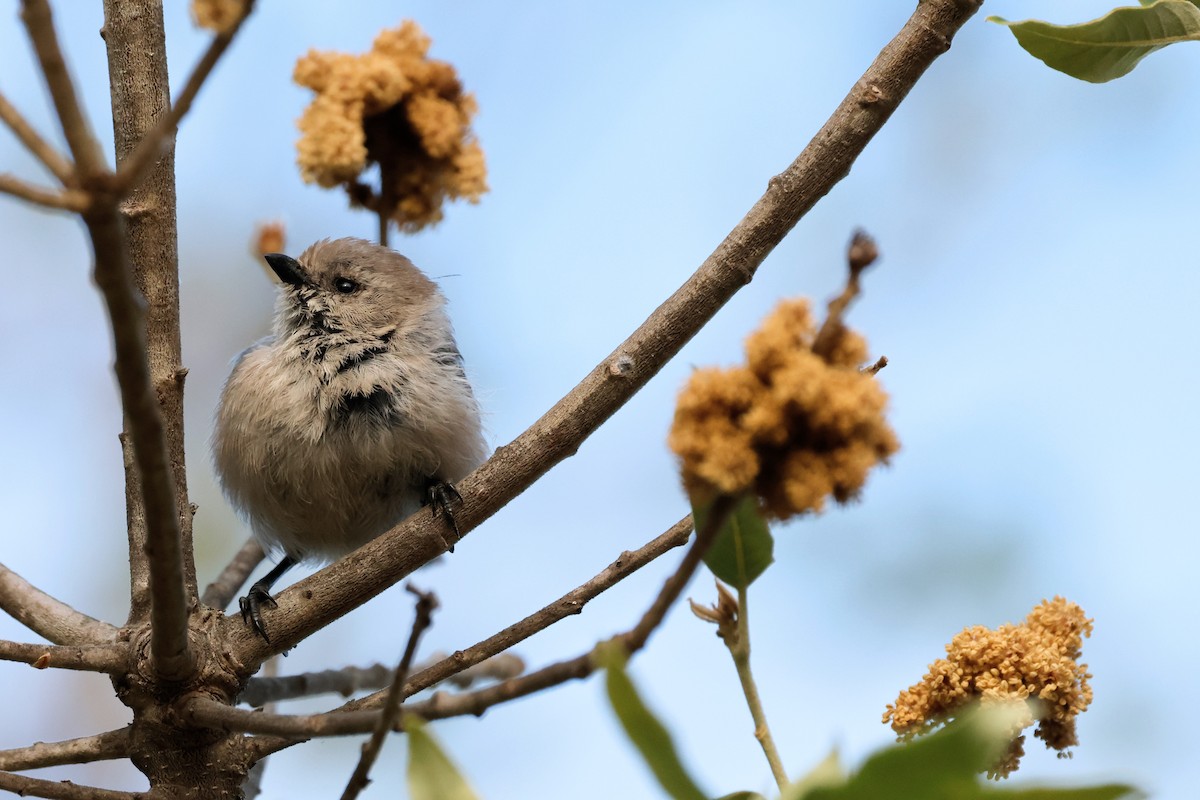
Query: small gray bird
(352, 414)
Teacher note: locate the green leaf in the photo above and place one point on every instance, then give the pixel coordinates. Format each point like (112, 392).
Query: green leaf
(742, 796)
(947, 764)
(431, 774)
(1111, 46)
(744, 547)
(643, 729)
(828, 773)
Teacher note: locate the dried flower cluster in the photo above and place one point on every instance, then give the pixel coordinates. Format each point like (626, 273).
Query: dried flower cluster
(1037, 660)
(793, 425)
(394, 107)
(220, 16)
(269, 237)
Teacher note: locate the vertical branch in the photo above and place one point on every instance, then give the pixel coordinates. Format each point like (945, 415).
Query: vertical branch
(140, 98)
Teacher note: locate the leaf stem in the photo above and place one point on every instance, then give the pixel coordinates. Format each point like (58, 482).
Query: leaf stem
(740, 650)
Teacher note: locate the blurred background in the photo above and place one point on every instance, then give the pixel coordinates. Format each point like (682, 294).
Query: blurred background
(1036, 298)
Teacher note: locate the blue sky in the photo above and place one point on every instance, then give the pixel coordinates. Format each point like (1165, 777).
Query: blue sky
(1036, 298)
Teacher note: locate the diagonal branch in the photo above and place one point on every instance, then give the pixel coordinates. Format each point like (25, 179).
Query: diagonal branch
(317, 600)
(84, 146)
(62, 790)
(570, 603)
(390, 714)
(286, 730)
(111, 658)
(47, 616)
(84, 750)
(66, 200)
(35, 144)
(347, 680)
(224, 588)
(134, 167)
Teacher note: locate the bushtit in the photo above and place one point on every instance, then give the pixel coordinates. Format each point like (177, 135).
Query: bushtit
(353, 413)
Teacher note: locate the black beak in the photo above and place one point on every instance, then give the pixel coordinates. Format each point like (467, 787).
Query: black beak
(287, 268)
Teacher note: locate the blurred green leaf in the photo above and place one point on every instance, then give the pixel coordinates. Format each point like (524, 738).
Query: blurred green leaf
(643, 729)
(945, 765)
(742, 796)
(828, 773)
(1111, 46)
(431, 774)
(744, 547)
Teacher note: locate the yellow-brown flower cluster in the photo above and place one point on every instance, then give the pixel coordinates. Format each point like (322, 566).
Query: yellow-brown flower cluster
(220, 16)
(395, 107)
(793, 425)
(1037, 660)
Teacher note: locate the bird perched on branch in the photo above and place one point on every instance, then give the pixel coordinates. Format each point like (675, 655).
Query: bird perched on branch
(352, 414)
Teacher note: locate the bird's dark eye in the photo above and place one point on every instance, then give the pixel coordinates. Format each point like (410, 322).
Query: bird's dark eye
(345, 285)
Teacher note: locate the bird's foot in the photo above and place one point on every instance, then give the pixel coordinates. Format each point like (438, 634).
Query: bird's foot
(440, 496)
(252, 605)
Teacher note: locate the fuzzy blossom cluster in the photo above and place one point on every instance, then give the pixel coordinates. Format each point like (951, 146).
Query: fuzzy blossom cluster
(793, 425)
(1036, 660)
(220, 16)
(395, 107)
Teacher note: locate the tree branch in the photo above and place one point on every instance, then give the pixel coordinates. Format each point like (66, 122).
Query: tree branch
(569, 604)
(286, 730)
(41, 149)
(220, 593)
(347, 680)
(148, 368)
(111, 658)
(47, 616)
(162, 136)
(84, 750)
(319, 599)
(84, 147)
(62, 790)
(66, 200)
(390, 714)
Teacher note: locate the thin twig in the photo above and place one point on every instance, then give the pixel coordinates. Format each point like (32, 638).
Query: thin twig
(66, 199)
(739, 649)
(112, 658)
(878, 365)
(348, 680)
(314, 602)
(62, 790)
(859, 255)
(35, 143)
(569, 604)
(220, 593)
(133, 168)
(48, 616)
(84, 750)
(390, 715)
(84, 146)
(286, 729)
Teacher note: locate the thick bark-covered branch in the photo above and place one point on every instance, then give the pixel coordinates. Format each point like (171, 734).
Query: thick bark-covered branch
(136, 254)
(37, 145)
(321, 598)
(100, 747)
(47, 616)
(111, 658)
